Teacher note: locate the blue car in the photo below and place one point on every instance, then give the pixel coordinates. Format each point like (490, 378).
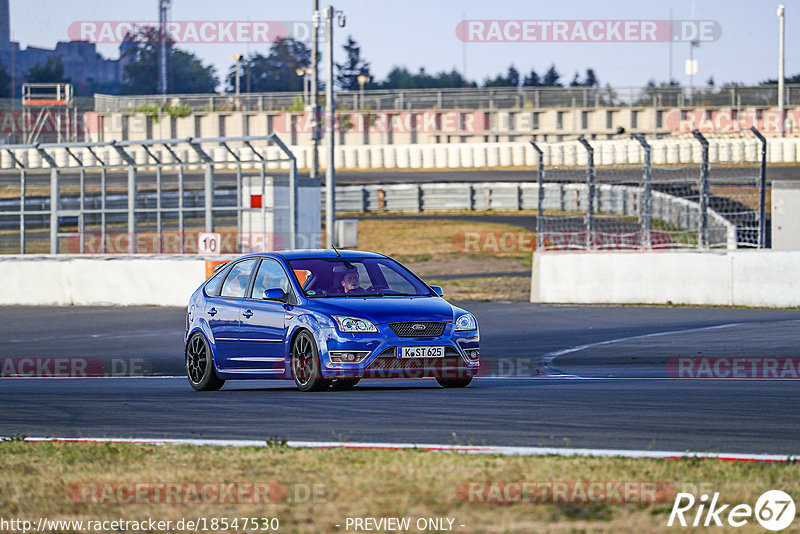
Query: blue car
(325, 318)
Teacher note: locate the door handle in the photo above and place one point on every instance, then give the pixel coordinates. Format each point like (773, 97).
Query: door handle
(212, 312)
(247, 313)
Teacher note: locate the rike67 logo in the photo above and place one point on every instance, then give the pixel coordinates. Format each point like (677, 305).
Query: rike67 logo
(774, 510)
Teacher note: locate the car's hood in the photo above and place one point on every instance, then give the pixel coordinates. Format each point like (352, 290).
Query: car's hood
(385, 309)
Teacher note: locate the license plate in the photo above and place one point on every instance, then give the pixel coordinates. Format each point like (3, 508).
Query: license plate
(420, 352)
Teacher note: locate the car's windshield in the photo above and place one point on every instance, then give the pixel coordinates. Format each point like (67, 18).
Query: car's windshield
(356, 277)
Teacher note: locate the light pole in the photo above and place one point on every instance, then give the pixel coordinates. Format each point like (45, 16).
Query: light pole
(304, 72)
(237, 85)
(782, 16)
(691, 67)
(330, 124)
(315, 132)
(363, 79)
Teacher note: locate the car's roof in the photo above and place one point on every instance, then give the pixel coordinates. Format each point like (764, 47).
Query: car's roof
(320, 253)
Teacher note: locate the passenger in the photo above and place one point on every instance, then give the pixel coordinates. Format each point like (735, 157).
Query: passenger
(239, 285)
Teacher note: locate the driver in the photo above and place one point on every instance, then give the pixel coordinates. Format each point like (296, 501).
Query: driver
(350, 282)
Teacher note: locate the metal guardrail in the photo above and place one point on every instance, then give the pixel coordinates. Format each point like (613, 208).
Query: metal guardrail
(61, 208)
(621, 201)
(470, 98)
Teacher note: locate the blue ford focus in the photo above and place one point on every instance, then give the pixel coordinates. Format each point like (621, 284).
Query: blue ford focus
(325, 319)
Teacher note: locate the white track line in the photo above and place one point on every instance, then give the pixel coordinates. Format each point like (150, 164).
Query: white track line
(464, 449)
(550, 356)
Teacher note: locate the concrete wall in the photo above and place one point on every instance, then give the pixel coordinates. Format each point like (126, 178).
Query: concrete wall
(476, 125)
(747, 278)
(101, 280)
(456, 155)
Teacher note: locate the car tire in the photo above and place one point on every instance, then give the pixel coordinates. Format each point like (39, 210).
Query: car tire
(305, 364)
(454, 382)
(342, 384)
(200, 365)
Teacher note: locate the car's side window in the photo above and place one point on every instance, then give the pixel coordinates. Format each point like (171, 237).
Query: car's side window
(214, 283)
(270, 275)
(395, 280)
(236, 282)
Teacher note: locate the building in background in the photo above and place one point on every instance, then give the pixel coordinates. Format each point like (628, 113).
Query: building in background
(86, 69)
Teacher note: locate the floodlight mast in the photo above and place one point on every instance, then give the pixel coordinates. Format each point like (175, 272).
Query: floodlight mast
(163, 21)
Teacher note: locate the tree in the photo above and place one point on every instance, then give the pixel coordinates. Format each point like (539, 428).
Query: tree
(532, 79)
(786, 79)
(402, 78)
(51, 72)
(511, 79)
(512, 76)
(5, 82)
(497, 81)
(551, 77)
(591, 79)
(276, 71)
(185, 72)
(347, 73)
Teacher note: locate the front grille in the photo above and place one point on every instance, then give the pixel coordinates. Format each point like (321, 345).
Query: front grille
(432, 329)
(389, 363)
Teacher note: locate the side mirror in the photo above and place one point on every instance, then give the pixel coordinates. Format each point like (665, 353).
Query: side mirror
(438, 290)
(274, 293)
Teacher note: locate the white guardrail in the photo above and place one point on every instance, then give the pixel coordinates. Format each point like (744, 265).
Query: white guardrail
(457, 155)
(618, 200)
(742, 278)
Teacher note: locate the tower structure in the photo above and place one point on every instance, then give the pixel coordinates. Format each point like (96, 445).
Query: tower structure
(163, 38)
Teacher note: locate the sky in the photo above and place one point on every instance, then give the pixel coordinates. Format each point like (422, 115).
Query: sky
(422, 33)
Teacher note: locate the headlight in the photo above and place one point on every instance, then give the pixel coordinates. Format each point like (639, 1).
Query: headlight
(466, 322)
(354, 324)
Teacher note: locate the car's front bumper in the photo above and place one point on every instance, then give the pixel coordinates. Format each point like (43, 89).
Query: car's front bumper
(461, 357)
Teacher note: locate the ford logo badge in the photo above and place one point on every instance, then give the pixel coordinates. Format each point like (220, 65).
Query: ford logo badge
(418, 327)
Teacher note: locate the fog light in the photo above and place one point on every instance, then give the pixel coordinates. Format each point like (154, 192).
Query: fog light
(348, 357)
(473, 354)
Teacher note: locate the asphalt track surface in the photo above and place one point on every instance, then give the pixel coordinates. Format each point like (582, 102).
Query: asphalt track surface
(584, 377)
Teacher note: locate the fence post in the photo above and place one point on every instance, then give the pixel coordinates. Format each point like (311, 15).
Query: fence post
(762, 190)
(54, 194)
(590, 181)
(22, 195)
(540, 200)
(208, 185)
(292, 189)
(131, 195)
(703, 190)
(645, 208)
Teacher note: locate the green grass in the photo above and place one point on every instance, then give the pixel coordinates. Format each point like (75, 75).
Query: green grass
(36, 480)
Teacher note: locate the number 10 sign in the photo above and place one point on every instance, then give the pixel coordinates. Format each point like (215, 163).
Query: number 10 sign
(208, 243)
